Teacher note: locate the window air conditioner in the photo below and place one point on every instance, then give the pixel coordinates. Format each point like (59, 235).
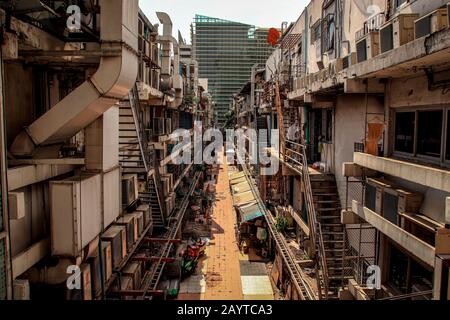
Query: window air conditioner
(397, 32)
(368, 47)
(431, 23)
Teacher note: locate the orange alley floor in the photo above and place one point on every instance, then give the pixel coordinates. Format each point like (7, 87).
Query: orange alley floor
(225, 273)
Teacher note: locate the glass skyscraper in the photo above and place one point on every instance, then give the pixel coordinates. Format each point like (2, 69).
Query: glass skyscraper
(226, 52)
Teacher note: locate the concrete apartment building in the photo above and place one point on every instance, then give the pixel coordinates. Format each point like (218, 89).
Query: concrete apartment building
(226, 51)
(87, 178)
(367, 84)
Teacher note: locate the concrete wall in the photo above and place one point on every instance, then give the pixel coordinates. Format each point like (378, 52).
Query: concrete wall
(35, 225)
(349, 127)
(421, 7)
(19, 101)
(414, 92)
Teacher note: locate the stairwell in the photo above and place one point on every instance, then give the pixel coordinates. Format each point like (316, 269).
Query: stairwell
(136, 156)
(328, 212)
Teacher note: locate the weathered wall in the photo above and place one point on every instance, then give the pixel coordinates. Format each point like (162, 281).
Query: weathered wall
(349, 127)
(19, 102)
(35, 225)
(413, 92)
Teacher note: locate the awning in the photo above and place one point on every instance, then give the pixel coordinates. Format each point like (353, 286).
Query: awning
(243, 198)
(237, 181)
(241, 187)
(250, 212)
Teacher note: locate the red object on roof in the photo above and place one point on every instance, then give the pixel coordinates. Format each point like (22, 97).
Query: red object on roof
(273, 36)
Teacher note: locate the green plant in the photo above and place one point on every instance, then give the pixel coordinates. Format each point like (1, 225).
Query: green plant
(281, 223)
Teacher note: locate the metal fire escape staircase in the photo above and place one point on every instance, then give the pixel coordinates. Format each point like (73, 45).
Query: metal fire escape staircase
(152, 277)
(138, 157)
(296, 156)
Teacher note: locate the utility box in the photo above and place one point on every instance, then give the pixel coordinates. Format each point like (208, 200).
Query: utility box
(21, 289)
(16, 204)
(129, 222)
(76, 213)
(442, 242)
(117, 238)
(134, 270)
(106, 260)
(139, 220)
(147, 212)
(130, 189)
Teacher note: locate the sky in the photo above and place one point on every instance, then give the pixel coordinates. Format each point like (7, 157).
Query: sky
(261, 13)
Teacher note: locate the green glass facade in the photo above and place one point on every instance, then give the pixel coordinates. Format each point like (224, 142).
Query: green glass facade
(226, 52)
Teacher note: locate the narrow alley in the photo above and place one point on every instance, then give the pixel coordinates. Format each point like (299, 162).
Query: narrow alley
(336, 113)
(226, 273)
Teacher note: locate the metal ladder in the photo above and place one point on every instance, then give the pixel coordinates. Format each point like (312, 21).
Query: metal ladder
(152, 277)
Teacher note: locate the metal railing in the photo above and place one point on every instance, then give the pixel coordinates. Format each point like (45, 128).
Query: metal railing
(372, 24)
(303, 288)
(300, 159)
(315, 227)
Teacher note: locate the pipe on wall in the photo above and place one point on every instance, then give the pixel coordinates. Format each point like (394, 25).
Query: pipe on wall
(113, 80)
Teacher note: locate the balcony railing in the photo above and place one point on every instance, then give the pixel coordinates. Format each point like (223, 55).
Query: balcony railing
(372, 24)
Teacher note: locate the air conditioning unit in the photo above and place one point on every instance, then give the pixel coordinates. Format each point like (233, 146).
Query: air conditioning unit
(117, 237)
(349, 60)
(134, 271)
(129, 223)
(75, 213)
(139, 223)
(130, 190)
(374, 192)
(85, 293)
(397, 32)
(144, 91)
(398, 200)
(168, 125)
(106, 260)
(16, 202)
(21, 289)
(147, 211)
(158, 126)
(96, 274)
(125, 283)
(368, 47)
(431, 23)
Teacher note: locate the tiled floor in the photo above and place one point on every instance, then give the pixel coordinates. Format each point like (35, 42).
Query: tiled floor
(226, 273)
(223, 272)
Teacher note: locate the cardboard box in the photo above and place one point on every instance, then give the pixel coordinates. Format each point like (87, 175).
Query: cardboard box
(442, 242)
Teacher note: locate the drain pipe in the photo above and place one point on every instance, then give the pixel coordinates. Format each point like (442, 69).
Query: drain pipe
(113, 80)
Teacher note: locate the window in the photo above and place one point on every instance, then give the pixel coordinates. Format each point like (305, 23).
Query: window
(423, 133)
(315, 31)
(404, 131)
(447, 155)
(329, 125)
(429, 136)
(398, 3)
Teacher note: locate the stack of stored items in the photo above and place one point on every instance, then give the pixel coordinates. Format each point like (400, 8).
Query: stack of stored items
(81, 207)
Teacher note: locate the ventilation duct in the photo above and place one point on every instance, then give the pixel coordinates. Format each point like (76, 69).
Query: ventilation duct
(113, 80)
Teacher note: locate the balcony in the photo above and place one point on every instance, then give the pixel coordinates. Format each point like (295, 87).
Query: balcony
(414, 245)
(424, 175)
